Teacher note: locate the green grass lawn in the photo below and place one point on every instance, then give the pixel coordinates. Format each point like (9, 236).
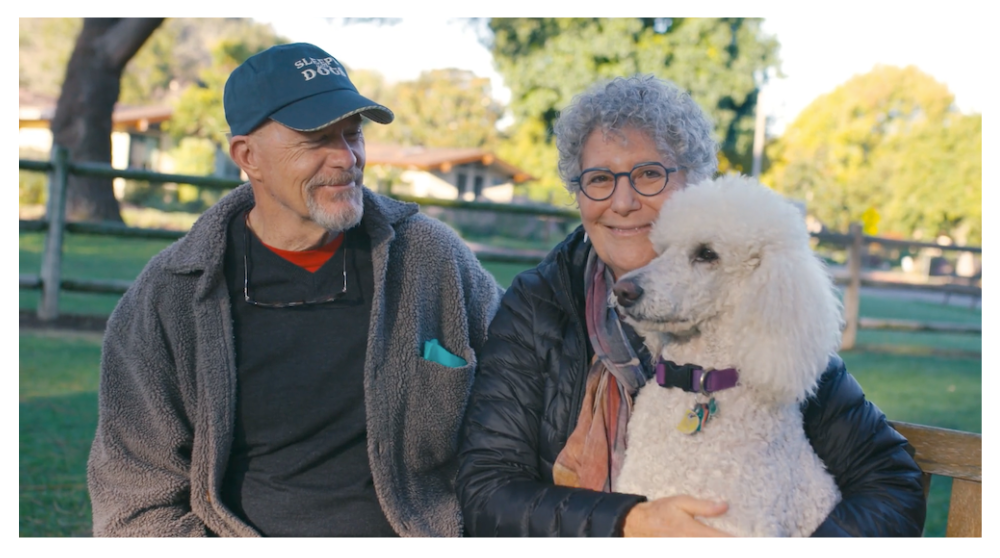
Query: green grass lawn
(57, 401)
(58, 380)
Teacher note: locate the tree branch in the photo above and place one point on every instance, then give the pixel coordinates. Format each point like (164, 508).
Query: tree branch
(129, 34)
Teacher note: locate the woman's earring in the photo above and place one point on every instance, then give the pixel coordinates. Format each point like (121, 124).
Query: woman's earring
(586, 238)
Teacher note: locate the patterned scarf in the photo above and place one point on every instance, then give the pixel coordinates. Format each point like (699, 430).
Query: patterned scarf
(594, 451)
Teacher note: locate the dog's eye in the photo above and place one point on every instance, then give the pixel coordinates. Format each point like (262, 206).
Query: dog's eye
(705, 254)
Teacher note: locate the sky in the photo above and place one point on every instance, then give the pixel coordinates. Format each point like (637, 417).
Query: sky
(819, 49)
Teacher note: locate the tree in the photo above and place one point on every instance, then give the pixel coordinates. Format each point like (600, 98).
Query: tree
(178, 53)
(441, 108)
(933, 179)
(545, 62)
(172, 58)
(82, 122)
(44, 46)
(892, 140)
(199, 111)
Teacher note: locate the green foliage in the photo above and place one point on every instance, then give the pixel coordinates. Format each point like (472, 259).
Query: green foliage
(934, 177)
(44, 48)
(194, 156)
(148, 75)
(891, 140)
(545, 62)
(199, 111)
(530, 146)
(31, 187)
(182, 53)
(441, 108)
(177, 53)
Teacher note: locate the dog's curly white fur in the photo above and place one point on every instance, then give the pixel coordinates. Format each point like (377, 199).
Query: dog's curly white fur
(735, 285)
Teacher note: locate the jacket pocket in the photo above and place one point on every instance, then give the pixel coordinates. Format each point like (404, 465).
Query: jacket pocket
(436, 398)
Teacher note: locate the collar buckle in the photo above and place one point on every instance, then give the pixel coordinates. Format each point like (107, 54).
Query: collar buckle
(693, 378)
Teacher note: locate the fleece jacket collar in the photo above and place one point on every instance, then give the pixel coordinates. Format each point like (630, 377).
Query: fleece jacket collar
(203, 247)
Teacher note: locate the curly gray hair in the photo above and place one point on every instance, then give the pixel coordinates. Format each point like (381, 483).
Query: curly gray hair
(676, 123)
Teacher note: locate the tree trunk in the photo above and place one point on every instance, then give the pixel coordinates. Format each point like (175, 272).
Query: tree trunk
(82, 122)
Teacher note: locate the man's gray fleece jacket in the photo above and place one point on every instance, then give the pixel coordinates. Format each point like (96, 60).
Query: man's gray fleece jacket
(168, 379)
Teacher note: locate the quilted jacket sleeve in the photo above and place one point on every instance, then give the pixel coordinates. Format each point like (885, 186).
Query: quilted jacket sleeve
(500, 486)
(878, 479)
(139, 468)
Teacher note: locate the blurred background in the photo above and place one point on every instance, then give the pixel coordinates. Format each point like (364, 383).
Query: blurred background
(872, 119)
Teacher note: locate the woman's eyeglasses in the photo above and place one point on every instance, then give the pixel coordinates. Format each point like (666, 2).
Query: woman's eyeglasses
(246, 277)
(647, 179)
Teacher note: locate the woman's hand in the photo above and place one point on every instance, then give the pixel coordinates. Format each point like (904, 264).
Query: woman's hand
(673, 517)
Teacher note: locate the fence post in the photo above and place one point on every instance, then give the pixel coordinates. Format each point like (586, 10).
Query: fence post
(852, 296)
(55, 213)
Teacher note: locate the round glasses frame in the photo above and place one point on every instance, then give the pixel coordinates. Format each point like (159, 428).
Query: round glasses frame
(615, 175)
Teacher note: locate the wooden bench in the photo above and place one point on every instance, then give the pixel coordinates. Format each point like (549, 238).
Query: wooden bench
(955, 454)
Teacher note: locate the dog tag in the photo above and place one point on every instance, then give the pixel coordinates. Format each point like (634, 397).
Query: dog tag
(710, 408)
(690, 424)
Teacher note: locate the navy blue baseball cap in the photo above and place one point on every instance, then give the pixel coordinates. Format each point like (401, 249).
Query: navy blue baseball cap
(298, 85)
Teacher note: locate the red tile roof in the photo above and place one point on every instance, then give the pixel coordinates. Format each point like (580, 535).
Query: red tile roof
(33, 106)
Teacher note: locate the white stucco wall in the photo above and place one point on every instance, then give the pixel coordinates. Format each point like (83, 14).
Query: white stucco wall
(36, 139)
(424, 184)
(434, 185)
(119, 160)
(501, 193)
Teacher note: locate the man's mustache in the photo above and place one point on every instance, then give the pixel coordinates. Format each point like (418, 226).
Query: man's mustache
(343, 177)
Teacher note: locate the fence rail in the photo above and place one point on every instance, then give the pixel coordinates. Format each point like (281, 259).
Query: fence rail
(845, 239)
(50, 282)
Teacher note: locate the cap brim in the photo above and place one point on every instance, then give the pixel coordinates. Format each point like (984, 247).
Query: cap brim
(323, 109)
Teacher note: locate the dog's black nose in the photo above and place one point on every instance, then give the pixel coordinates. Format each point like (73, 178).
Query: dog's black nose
(627, 292)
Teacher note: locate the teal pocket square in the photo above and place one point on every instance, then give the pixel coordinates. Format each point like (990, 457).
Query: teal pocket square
(434, 352)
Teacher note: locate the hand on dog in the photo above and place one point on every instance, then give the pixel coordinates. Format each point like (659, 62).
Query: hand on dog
(673, 517)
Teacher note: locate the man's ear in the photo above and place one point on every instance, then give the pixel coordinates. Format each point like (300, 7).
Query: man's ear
(242, 153)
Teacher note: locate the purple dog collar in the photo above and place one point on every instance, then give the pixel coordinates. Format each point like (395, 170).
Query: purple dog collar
(693, 378)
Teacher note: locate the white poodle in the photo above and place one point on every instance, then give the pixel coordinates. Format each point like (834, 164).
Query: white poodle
(735, 287)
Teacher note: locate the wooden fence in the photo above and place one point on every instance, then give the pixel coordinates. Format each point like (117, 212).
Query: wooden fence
(50, 280)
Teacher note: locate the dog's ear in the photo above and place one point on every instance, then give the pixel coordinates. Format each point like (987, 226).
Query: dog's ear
(787, 324)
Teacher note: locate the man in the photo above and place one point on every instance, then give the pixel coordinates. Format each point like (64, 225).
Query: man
(265, 375)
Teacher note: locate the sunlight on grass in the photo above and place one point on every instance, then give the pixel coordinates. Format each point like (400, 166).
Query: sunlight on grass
(149, 218)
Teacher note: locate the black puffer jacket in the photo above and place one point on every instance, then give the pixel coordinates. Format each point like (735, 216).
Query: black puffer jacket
(529, 390)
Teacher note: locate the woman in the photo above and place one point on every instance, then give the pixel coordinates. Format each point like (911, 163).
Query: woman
(532, 437)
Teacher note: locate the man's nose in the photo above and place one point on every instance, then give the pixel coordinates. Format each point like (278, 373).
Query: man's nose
(628, 292)
(341, 154)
